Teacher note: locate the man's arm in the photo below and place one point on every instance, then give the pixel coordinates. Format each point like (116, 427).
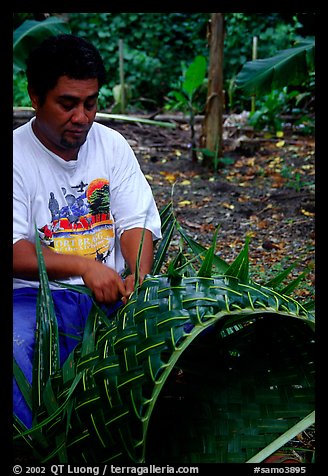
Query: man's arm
(130, 242)
(105, 282)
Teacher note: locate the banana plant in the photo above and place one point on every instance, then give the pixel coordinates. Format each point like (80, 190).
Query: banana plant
(289, 66)
(32, 32)
(183, 99)
(201, 365)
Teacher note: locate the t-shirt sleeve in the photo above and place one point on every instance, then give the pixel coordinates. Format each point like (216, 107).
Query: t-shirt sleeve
(132, 201)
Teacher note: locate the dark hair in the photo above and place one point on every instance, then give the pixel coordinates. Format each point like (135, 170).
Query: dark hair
(63, 55)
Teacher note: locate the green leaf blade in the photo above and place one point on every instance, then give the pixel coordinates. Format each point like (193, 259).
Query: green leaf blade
(240, 267)
(30, 33)
(289, 66)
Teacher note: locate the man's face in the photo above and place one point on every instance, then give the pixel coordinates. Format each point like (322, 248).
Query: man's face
(64, 119)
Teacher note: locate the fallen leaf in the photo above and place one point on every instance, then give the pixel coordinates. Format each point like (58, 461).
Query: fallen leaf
(281, 143)
(250, 162)
(192, 225)
(243, 198)
(228, 205)
(207, 227)
(306, 213)
(269, 245)
(169, 176)
(263, 224)
(275, 162)
(184, 203)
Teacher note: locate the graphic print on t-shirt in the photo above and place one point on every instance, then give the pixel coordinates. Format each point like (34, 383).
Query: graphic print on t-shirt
(84, 225)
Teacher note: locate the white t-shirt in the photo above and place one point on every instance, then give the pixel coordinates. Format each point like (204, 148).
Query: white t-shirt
(81, 206)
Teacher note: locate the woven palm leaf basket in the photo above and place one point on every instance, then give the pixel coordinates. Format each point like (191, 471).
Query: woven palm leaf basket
(205, 367)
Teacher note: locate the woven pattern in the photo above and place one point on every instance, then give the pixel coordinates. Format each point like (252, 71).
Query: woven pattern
(259, 385)
(128, 377)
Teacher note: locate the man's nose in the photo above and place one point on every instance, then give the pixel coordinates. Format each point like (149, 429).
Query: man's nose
(80, 115)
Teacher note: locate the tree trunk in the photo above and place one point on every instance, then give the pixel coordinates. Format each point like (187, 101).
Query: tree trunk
(211, 138)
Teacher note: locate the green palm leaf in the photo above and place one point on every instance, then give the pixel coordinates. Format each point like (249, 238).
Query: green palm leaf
(199, 250)
(168, 223)
(207, 265)
(46, 356)
(240, 267)
(278, 279)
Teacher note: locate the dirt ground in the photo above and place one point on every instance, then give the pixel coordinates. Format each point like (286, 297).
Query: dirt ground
(267, 192)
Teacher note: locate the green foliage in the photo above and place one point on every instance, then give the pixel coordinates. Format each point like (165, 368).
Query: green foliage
(270, 107)
(275, 31)
(294, 179)
(156, 44)
(183, 97)
(268, 79)
(218, 162)
(21, 98)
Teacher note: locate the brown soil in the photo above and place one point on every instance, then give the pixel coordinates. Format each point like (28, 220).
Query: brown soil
(267, 192)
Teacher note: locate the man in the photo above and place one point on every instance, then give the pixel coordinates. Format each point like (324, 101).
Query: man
(80, 185)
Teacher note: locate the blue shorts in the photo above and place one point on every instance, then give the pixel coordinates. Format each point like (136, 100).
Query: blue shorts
(71, 308)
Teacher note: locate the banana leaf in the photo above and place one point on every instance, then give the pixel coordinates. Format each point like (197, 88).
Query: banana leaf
(289, 66)
(30, 33)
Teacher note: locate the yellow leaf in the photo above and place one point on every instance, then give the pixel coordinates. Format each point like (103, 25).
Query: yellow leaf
(185, 182)
(281, 143)
(169, 177)
(149, 177)
(250, 162)
(184, 203)
(228, 205)
(280, 134)
(306, 213)
(177, 153)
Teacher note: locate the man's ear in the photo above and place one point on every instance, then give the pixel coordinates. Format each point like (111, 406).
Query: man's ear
(34, 98)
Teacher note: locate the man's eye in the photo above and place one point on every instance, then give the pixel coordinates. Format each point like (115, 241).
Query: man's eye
(90, 105)
(67, 106)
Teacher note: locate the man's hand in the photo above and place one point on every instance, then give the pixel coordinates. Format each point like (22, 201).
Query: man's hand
(129, 285)
(106, 283)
